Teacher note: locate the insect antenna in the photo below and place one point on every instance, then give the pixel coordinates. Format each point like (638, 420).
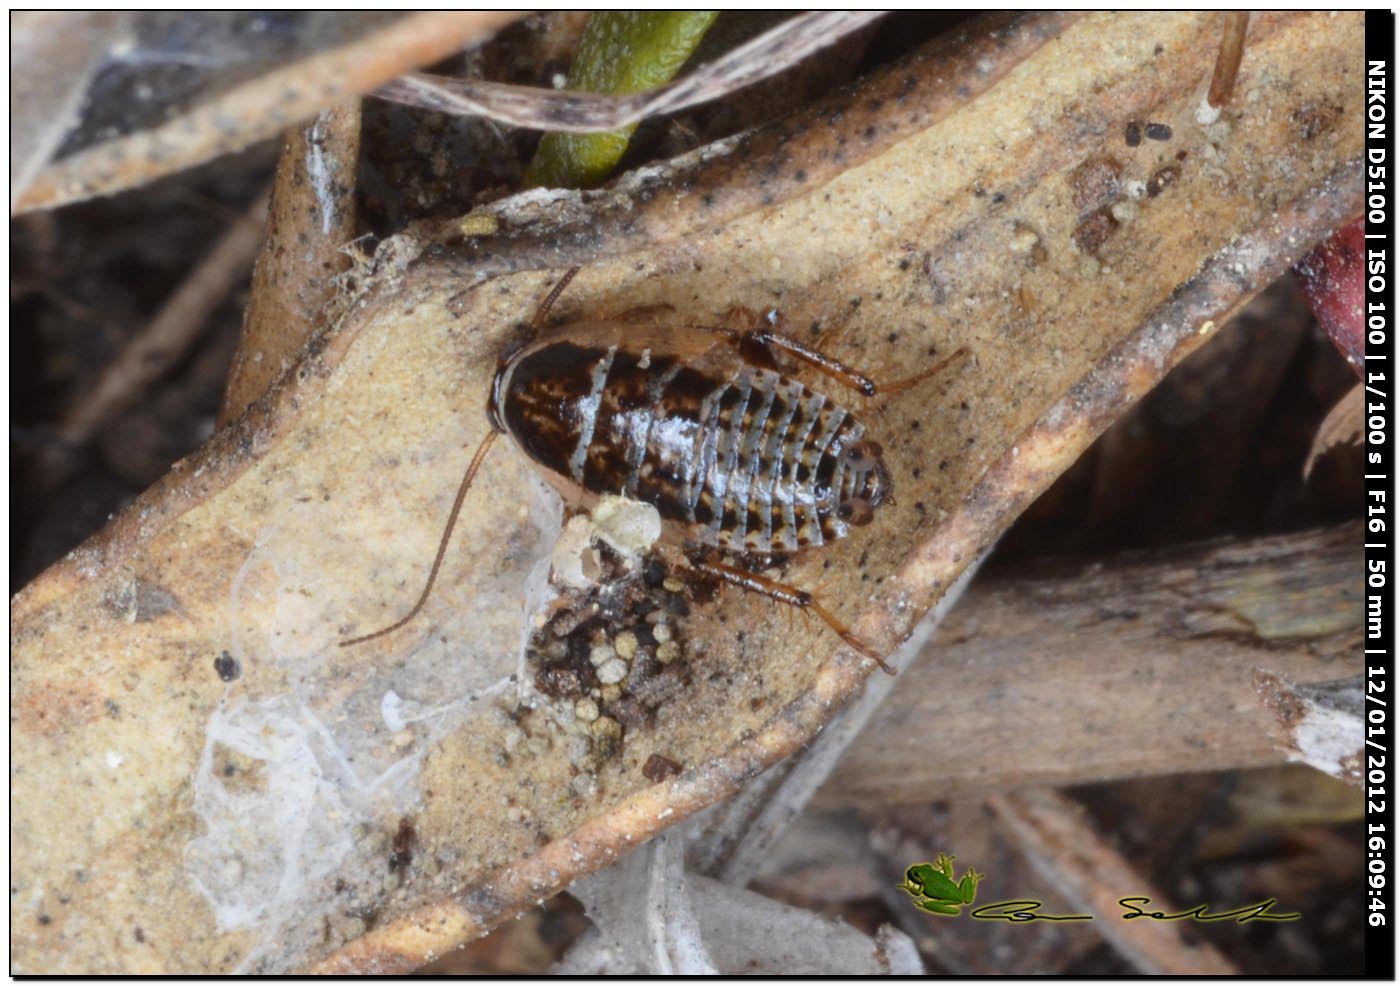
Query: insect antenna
(481, 451)
(899, 386)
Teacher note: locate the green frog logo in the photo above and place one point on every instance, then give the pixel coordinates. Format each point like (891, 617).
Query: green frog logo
(937, 890)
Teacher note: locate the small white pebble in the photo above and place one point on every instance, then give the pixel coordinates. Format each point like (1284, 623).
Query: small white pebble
(613, 671)
(586, 709)
(626, 644)
(668, 652)
(662, 633)
(605, 727)
(601, 654)
(1024, 239)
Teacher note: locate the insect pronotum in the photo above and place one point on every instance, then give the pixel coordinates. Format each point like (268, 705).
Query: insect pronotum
(699, 422)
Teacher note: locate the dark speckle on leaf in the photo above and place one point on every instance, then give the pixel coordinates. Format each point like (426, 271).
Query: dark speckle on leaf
(227, 667)
(658, 768)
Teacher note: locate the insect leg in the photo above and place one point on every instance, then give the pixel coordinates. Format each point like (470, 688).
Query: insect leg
(791, 596)
(829, 365)
(537, 322)
(481, 451)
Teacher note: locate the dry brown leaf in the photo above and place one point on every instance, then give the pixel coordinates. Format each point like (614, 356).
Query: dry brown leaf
(366, 808)
(1342, 426)
(311, 221)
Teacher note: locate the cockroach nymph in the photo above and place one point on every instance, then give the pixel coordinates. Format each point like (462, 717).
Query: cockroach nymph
(699, 422)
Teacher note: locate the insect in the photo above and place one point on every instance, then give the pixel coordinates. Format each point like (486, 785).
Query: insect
(700, 422)
(942, 893)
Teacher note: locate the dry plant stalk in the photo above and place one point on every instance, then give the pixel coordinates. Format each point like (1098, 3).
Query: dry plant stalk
(1174, 637)
(1063, 844)
(150, 353)
(1227, 62)
(932, 207)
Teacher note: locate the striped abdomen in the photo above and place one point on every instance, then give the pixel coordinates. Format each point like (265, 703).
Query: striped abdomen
(742, 457)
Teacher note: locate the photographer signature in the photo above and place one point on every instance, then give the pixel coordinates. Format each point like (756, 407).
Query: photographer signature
(1133, 907)
(936, 888)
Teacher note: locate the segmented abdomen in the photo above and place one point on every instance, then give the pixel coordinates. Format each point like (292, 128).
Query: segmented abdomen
(749, 460)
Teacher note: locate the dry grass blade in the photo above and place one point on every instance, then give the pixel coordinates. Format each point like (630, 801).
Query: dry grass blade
(258, 109)
(579, 112)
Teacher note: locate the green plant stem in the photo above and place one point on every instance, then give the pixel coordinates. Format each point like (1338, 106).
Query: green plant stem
(621, 52)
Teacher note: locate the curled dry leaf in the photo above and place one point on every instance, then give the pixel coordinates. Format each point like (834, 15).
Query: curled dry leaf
(311, 221)
(1342, 426)
(222, 787)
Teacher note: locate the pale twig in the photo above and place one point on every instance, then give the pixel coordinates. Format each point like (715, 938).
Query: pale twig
(259, 109)
(1067, 850)
(157, 347)
(582, 112)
